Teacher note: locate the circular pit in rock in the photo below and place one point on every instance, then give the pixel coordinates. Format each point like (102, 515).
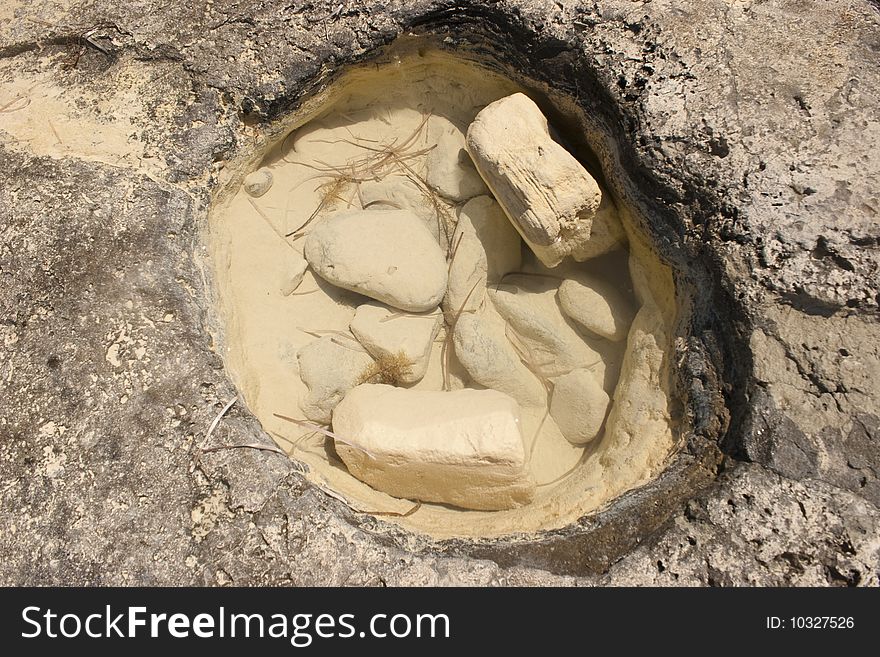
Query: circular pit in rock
(431, 295)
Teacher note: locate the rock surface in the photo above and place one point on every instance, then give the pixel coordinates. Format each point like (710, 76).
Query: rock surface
(463, 447)
(387, 255)
(450, 169)
(597, 306)
(579, 406)
(116, 379)
(330, 367)
(385, 333)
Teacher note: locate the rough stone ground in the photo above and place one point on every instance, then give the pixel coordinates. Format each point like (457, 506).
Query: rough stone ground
(760, 119)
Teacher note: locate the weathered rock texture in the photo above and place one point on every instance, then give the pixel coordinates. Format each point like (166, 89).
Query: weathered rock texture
(744, 132)
(548, 195)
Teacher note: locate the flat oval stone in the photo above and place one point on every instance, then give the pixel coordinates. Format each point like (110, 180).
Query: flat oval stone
(579, 406)
(258, 183)
(387, 255)
(597, 306)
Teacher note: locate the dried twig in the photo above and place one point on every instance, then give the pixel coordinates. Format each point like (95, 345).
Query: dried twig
(8, 107)
(329, 434)
(379, 162)
(578, 463)
(267, 448)
(336, 496)
(216, 421)
(54, 132)
(270, 223)
(416, 506)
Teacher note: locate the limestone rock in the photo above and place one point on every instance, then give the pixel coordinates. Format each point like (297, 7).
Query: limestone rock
(640, 412)
(387, 255)
(485, 352)
(292, 275)
(399, 192)
(549, 196)
(329, 369)
(450, 170)
(606, 233)
(258, 183)
(483, 218)
(553, 347)
(385, 333)
(597, 306)
(466, 288)
(463, 447)
(486, 247)
(579, 405)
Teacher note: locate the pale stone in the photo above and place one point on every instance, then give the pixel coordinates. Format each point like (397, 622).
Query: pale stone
(466, 288)
(483, 218)
(640, 413)
(579, 405)
(463, 447)
(486, 248)
(330, 366)
(398, 192)
(450, 170)
(387, 255)
(385, 333)
(258, 183)
(549, 196)
(596, 305)
(294, 269)
(488, 357)
(638, 433)
(551, 344)
(606, 233)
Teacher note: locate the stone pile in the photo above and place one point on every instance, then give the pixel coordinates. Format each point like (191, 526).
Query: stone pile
(519, 336)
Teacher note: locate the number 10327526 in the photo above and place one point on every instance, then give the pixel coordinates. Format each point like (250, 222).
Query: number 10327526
(810, 623)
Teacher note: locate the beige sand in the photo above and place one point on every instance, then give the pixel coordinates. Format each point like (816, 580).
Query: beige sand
(252, 238)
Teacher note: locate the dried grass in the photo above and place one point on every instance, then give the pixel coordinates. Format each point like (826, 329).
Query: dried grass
(390, 369)
(379, 162)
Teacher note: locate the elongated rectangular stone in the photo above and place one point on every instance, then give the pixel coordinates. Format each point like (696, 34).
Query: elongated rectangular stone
(550, 198)
(463, 447)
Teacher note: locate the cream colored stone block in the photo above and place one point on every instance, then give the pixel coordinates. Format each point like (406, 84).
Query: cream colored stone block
(463, 447)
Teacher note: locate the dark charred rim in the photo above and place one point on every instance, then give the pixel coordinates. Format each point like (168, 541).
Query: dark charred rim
(711, 361)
